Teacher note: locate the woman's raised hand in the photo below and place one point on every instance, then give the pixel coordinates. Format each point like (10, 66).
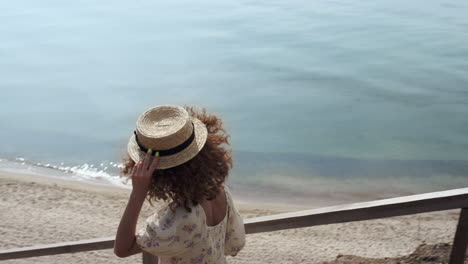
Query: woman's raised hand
(142, 173)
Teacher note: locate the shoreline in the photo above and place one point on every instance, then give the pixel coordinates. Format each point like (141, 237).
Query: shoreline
(282, 189)
(285, 197)
(110, 189)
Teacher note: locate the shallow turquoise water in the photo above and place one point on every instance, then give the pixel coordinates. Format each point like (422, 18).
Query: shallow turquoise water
(343, 85)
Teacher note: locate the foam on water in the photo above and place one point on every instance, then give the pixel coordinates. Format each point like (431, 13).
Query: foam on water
(103, 173)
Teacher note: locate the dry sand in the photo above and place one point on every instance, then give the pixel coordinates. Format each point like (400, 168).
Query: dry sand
(39, 210)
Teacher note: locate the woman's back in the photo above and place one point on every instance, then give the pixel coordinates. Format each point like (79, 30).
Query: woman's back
(179, 236)
(215, 209)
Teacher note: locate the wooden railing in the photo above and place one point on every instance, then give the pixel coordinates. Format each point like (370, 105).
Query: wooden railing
(406, 205)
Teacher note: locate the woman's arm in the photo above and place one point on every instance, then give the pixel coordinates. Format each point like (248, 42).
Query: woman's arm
(125, 242)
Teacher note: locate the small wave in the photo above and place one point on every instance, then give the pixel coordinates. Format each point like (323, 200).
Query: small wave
(101, 173)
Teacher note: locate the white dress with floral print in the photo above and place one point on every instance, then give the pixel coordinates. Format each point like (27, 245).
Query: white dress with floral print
(182, 237)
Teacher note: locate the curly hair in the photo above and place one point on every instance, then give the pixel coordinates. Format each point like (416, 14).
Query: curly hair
(201, 177)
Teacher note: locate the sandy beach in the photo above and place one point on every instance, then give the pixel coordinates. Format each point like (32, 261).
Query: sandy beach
(40, 210)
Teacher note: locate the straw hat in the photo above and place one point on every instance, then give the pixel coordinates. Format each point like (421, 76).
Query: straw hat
(170, 130)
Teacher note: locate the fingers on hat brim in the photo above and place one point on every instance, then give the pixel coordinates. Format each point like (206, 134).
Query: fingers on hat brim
(165, 162)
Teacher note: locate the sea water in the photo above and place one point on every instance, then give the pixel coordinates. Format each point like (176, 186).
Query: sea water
(337, 98)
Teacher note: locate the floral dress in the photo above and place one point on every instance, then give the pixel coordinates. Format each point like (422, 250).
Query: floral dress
(184, 237)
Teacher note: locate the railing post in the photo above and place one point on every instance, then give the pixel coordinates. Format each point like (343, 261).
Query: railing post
(460, 242)
(149, 259)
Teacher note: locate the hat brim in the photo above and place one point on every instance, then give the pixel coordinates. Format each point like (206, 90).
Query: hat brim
(166, 162)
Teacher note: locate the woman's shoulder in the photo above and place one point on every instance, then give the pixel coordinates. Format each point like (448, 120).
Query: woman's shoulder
(170, 227)
(167, 217)
(229, 199)
(170, 232)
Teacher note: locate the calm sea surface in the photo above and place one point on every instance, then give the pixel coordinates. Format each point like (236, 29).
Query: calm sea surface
(335, 97)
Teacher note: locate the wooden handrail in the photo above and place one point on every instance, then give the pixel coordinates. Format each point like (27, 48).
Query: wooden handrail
(58, 248)
(405, 205)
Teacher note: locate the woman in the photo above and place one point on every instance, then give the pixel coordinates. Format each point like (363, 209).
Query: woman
(177, 155)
